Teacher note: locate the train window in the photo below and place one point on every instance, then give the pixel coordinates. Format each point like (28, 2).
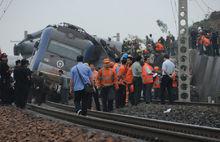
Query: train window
(63, 50)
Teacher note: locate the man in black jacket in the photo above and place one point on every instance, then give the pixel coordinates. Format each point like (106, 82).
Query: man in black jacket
(22, 78)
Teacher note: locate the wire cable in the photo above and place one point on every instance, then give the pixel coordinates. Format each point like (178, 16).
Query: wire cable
(5, 10)
(207, 5)
(174, 17)
(1, 3)
(176, 8)
(200, 6)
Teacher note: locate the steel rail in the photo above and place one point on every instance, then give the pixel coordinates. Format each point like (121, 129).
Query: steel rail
(137, 131)
(192, 103)
(153, 123)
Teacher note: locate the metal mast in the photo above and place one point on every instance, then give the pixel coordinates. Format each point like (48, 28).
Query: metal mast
(183, 52)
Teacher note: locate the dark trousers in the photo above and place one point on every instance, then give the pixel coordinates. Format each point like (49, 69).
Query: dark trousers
(131, 95)
(6, 94)
(120, 96)
(208, 50)
(175, 93)
(215, 50)
(107, 99)
(81, 101)
(95, 96)
(166, 84)
(157, 93)
(137, 89)
(201, 50)
(147, 92)
(21, 95)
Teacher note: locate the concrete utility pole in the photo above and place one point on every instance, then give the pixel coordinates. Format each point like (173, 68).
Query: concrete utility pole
(183, 52)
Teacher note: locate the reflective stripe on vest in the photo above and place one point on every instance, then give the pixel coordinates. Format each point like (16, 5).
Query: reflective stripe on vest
(107, 80)
(147, 78)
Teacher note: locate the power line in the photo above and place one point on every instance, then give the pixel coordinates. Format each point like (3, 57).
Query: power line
(5, 10)
(200, 6)
(175, 6)
(173, 15)
(1, 3)
(207, 5)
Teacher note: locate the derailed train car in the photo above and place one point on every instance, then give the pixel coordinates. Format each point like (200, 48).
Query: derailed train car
(56, 47)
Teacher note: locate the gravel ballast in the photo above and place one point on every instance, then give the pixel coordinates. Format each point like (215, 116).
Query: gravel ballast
(22, 126)
(197, 115)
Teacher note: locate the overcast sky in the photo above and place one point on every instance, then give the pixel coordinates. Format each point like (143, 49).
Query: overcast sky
(103, 18)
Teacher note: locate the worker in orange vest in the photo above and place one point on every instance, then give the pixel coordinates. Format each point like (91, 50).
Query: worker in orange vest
(207, 44)
(156, 84)
(147, 79)
(107, 83)
(121, 92)
(117, 65)
(129, 82)
(94, 94)
(174, 85)
(200, 43)
(159, 46)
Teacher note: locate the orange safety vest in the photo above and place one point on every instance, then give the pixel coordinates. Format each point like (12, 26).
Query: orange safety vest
(121, 74)
(106, 77)
(206, 42)
(147, 78)
(174, 80)
(156, 82)
(200, 39)
(116, 67)
(129, 76)
(159, 47)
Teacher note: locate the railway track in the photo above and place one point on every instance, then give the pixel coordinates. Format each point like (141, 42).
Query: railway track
(193, 103)
(124, 128)
(153, 123)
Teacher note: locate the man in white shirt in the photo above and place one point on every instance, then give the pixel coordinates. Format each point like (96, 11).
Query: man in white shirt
(168, 68)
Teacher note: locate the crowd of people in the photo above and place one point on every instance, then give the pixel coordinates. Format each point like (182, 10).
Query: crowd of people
(206, 41)
(119, 82)
(14, 84)
(122, 82)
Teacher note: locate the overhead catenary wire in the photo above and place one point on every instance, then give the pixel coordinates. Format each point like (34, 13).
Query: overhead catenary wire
(5, 10)
(174, 17)
(200, 6)
(1, 2)
(176, 8)
(207, 5)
